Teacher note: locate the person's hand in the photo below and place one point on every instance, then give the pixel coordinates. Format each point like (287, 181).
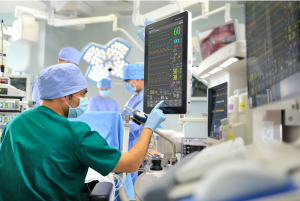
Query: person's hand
(155, 117)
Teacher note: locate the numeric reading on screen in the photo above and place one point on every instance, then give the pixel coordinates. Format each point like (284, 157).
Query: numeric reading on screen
(165, 65)
(272, 30)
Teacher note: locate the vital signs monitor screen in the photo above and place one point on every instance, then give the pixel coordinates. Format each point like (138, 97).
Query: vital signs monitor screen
(166, 64)
(273, 58)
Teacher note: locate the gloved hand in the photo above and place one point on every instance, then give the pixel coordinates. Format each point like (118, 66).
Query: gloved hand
(155, 117)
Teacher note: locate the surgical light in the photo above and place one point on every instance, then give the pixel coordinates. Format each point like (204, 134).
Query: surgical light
(105, 60)
(228, 62)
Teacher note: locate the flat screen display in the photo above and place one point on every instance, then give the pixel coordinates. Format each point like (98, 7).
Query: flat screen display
(19, 83)
(273, 59)
(217, 107)
(166, 64)
(213, 39)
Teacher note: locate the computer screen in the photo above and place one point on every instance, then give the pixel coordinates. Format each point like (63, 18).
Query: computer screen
(217, 109)
(19, 83)
(273, 59)
(22, 82)
(212, 39)
(166, 64)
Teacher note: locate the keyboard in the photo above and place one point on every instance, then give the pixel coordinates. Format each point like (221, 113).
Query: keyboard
(210, 157)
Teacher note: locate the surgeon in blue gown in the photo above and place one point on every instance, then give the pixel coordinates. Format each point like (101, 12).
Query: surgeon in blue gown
(133, 76)
(66, 55)
(102, 102)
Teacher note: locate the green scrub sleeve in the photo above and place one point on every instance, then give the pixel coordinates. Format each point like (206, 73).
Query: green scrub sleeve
(94, 152)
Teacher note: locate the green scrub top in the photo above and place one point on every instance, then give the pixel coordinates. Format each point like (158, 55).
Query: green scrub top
(44, 156)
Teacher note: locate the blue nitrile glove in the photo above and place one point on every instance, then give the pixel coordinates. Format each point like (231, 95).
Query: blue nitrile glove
(155, 117)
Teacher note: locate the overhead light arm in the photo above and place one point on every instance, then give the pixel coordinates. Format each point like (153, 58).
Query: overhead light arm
(63, 21)
(139, 20)
(225, 8)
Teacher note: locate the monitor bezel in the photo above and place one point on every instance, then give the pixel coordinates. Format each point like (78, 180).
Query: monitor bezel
(170, 110)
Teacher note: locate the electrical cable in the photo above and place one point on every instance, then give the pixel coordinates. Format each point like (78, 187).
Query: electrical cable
(126, 184)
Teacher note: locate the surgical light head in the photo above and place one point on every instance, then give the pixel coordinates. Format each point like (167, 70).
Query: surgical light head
(105, 61)
(70, 54)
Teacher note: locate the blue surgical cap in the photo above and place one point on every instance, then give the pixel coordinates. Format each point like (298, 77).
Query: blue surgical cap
(70, 54)
(104, 82)
(133, 71)
(60, 80)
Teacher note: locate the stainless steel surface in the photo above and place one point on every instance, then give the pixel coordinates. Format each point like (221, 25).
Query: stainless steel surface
(173, 158)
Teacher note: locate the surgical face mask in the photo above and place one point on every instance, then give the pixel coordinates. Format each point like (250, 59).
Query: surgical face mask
(129, 88)
(76, 112)
(104, 93)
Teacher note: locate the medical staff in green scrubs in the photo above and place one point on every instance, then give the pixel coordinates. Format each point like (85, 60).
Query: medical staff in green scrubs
(44, 156)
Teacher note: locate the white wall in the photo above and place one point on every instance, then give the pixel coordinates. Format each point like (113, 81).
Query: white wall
(52, 39)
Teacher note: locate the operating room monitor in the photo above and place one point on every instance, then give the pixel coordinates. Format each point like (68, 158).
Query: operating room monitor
(217, 109)
(273, 59)
(22, 82)
(168, 64)
(214, 38)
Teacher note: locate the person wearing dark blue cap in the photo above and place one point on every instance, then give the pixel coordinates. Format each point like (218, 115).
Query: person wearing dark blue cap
(66, 55)
(102, 102)
(44, 156)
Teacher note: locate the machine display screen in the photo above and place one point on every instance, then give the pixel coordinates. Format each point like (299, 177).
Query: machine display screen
(166, 64)
(211, 40)
(273, 58)
(3, 91)
(217, 100)
(19, 83)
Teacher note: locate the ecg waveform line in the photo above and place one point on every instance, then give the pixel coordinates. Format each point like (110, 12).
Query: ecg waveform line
(158, 51)
(275, 47)
(266, 34)
(258, 25)
(155, 68)
(159, 46)
(157, 73)
(159, 62)
(264, 44)
(158, 79)
(155, 41)
(157, 34)
(159, 56)
(265, 13)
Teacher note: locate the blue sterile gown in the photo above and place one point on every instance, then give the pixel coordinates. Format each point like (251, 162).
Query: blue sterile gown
(96, 103)
(136, 103)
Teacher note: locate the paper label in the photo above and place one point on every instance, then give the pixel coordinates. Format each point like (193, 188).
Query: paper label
(242, 105)
(230, 106)
(268, 130)
(230, 136)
